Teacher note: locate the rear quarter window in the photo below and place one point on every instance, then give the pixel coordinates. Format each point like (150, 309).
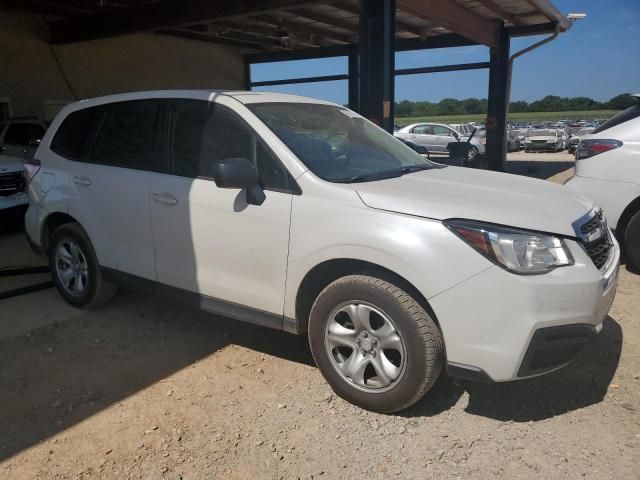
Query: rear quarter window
(619, 118)
(71, 139)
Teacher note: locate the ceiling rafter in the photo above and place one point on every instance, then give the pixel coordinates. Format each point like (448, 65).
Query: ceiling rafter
(304, 28)
(162, 15)
(268, 31)
(453, 17)
(501, 12)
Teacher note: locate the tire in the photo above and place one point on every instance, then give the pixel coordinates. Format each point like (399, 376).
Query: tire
(632, 241)
(413, 361)
(71, 251)
(472, 155)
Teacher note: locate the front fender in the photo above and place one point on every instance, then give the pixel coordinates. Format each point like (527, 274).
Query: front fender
(422, 251)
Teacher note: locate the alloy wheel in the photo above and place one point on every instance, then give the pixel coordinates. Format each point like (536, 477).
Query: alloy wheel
(71, 267)
(365, 346)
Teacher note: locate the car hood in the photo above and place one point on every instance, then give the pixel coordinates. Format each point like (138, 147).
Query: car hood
(546, 138)
(10, 164)
(453, 192)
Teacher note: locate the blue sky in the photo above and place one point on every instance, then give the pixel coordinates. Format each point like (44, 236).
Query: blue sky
(598, 58)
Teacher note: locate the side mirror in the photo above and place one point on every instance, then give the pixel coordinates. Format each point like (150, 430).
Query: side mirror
(239, 173)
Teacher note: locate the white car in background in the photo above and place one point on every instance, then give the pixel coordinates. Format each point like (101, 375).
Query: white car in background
(436, 136)
(301, 215)
(543, 140)
(608, 171)
(13, 194)
(19, 139)
(572, 143)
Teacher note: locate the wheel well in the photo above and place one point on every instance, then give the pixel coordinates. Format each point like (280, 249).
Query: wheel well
(628, 212)
(327, 272)
(52, 222)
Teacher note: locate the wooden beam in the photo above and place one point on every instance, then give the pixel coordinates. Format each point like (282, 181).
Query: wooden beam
(450, 15)
(265, 31)
(327, 19)
(203, 37)
(446, 40)
(162, 15)
(501, 12)
(400, 25)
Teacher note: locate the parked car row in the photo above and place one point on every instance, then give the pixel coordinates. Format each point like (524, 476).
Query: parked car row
(546, 137)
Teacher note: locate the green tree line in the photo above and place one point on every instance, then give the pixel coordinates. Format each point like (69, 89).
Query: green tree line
(550, 103)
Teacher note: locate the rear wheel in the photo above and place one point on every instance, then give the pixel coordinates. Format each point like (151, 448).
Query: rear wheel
(376, 345)
(632, 241)
(75, 268)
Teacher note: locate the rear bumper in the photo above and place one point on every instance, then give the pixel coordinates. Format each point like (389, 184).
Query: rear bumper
(498, 326)
(540, 147)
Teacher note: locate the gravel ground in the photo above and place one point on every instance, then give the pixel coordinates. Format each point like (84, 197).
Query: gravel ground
(145, 389)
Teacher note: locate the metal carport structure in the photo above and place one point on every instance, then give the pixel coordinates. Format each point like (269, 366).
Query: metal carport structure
(368, 32)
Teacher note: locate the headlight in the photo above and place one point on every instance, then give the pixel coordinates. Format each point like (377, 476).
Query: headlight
(518, 251)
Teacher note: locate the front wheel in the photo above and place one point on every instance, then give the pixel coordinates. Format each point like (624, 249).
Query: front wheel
(375, 345)
(632, 241)
(471, 156)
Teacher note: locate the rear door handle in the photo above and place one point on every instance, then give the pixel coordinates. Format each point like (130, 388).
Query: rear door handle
(164, 198)
(82, 180)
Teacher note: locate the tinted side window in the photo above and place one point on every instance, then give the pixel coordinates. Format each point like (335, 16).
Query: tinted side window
(201, 134)
(73, 134)
(126, 136)
(17, 134)
(442, 131)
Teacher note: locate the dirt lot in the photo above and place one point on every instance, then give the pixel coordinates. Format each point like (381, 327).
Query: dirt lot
(145, 389)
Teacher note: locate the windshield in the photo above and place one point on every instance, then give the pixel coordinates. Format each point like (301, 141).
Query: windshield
(542, 133)
(337, 144)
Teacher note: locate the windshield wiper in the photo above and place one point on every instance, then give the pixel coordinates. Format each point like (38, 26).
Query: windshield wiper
(385, 174)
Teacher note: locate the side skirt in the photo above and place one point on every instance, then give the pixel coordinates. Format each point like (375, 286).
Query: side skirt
(203, 302)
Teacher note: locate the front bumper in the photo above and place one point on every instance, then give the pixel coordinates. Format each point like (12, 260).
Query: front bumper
(499, 326)
(16, 200)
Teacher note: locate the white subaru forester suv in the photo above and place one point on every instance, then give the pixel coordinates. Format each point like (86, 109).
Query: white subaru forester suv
(300, 215)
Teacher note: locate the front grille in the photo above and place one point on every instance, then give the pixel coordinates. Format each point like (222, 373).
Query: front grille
(11, 183)
(594, 236)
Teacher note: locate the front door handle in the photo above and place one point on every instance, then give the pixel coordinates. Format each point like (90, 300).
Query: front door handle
(82, 180)
(164, 198)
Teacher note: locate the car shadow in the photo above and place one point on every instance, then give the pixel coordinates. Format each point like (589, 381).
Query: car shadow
(61, 374)
(537, 169)
(579, 385)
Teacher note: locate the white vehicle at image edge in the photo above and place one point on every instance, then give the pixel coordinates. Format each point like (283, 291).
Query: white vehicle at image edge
(13, 194)
(300, 215)
(608, 171)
